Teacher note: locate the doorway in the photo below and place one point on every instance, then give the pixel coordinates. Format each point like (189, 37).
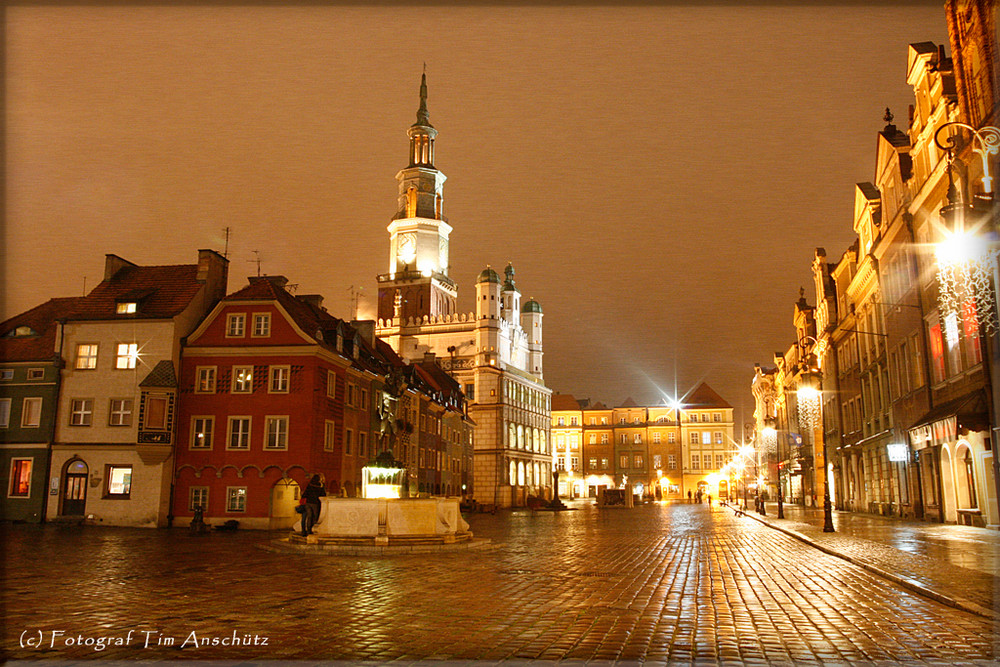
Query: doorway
(284, 499)
(74, 499)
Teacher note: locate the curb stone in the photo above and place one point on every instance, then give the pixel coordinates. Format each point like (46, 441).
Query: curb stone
(909, 584)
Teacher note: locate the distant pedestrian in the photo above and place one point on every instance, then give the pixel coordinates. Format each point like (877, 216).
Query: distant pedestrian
(689, 495)
(311, 495)
(710, 500)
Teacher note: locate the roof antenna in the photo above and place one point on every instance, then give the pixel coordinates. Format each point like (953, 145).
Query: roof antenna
(225, 253)
(257, 260)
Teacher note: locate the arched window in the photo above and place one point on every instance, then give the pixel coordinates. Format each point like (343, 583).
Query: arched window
(970, 478)
(513, 473)
(411, 202)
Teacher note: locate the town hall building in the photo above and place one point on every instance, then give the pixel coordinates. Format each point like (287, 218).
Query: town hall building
(495, 353)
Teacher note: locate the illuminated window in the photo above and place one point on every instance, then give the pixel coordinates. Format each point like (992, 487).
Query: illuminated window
(604, 438)
(236, 325)
(126, 307)
(86, 356)
(261, 325)
(718, 437)
(604, 420)
(560, 421)
(671, 437)
(206, 380)
(574, 463)
(242, 379)
(279, 379)
(197, 498)
(201, 432)
(623, 439)
(657, 461)
(81, 412)
(937, 353)
(239, 433)
(573, 421)
(592, 463)
(20, 478)
(593, 439)
(120, 412)
(236, 498)
(127, 354)
(623, 461)
(276, 433)
(118, 482)
(656, 438)
(638, 438)
(604, 464)
(637, 460)
(706, 438)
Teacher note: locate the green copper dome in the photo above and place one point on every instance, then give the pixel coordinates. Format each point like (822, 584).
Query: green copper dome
(531, 306)
(488, 276)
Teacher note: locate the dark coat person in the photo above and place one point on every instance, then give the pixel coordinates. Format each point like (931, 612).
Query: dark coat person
(314, 491)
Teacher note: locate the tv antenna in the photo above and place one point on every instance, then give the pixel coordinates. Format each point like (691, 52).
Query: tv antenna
(256, 259)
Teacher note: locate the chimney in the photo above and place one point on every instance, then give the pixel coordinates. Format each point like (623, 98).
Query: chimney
(213, 271)
(113, 264)
(429, 357)
(365, 329)
(314, 300)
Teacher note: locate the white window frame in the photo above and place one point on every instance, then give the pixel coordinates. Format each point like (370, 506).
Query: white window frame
(275, 426)
(201, 491)
(671, 462)
(238, 494)
(657, 462)
(242, 384)
(36, 373)
(124, 417)
(244, 437)
(279, 379)
(5, 406)
(26, 412)
(695, 438)
(208, 420)
(126, 307)
(706, 437)
(126, 355)
(81, 412)
(86, 356)
(204, 381)
(236, 325)
(717, 437)
(696, 462)
(261, 325)
(331, 384)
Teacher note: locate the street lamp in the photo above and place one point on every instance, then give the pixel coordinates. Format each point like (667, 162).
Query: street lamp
(969, 256)
(769, 434)
(810, 394)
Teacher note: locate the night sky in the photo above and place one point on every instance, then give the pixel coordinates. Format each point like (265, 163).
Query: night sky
(659, 175)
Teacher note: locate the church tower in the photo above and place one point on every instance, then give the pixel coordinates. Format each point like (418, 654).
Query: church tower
(417, 284)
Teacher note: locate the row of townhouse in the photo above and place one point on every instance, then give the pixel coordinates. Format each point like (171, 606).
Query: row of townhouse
(156, 395)
(662, 452)
(887, 399)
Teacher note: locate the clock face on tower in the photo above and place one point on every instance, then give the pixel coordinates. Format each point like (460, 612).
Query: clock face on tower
(407, 248)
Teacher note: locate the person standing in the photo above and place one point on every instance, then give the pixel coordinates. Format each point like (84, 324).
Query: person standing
(314, 491)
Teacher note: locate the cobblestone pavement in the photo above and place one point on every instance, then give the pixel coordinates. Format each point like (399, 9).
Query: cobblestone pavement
(658, 583)
(957, 562)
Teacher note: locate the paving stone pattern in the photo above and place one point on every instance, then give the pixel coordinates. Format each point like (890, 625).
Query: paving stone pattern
(659, 583)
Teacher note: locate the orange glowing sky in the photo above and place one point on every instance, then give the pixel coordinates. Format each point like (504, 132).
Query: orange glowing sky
(659, 175)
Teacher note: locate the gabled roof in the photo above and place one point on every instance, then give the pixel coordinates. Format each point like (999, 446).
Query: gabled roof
(629, 403)
(702, 397)
(38, 341)
(160, 291)
(162, 375)
(564, 402)
(597, 406)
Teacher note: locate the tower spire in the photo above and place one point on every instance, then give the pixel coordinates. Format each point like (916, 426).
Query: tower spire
(422, 117)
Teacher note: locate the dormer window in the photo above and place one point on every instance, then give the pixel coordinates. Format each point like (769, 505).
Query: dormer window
(126, 307)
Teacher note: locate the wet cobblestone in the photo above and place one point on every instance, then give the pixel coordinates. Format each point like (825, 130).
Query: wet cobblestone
(660, 583)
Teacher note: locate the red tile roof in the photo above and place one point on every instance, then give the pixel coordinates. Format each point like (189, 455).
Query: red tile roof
(702, 397)
(40, 343)
(161, 292)
(564, 402)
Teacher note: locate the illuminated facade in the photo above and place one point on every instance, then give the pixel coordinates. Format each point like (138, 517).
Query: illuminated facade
(644, 448)
(495, 352)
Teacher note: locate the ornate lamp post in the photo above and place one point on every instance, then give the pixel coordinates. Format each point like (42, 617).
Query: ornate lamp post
(769, 434)
(969, 257)
(810, 414)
